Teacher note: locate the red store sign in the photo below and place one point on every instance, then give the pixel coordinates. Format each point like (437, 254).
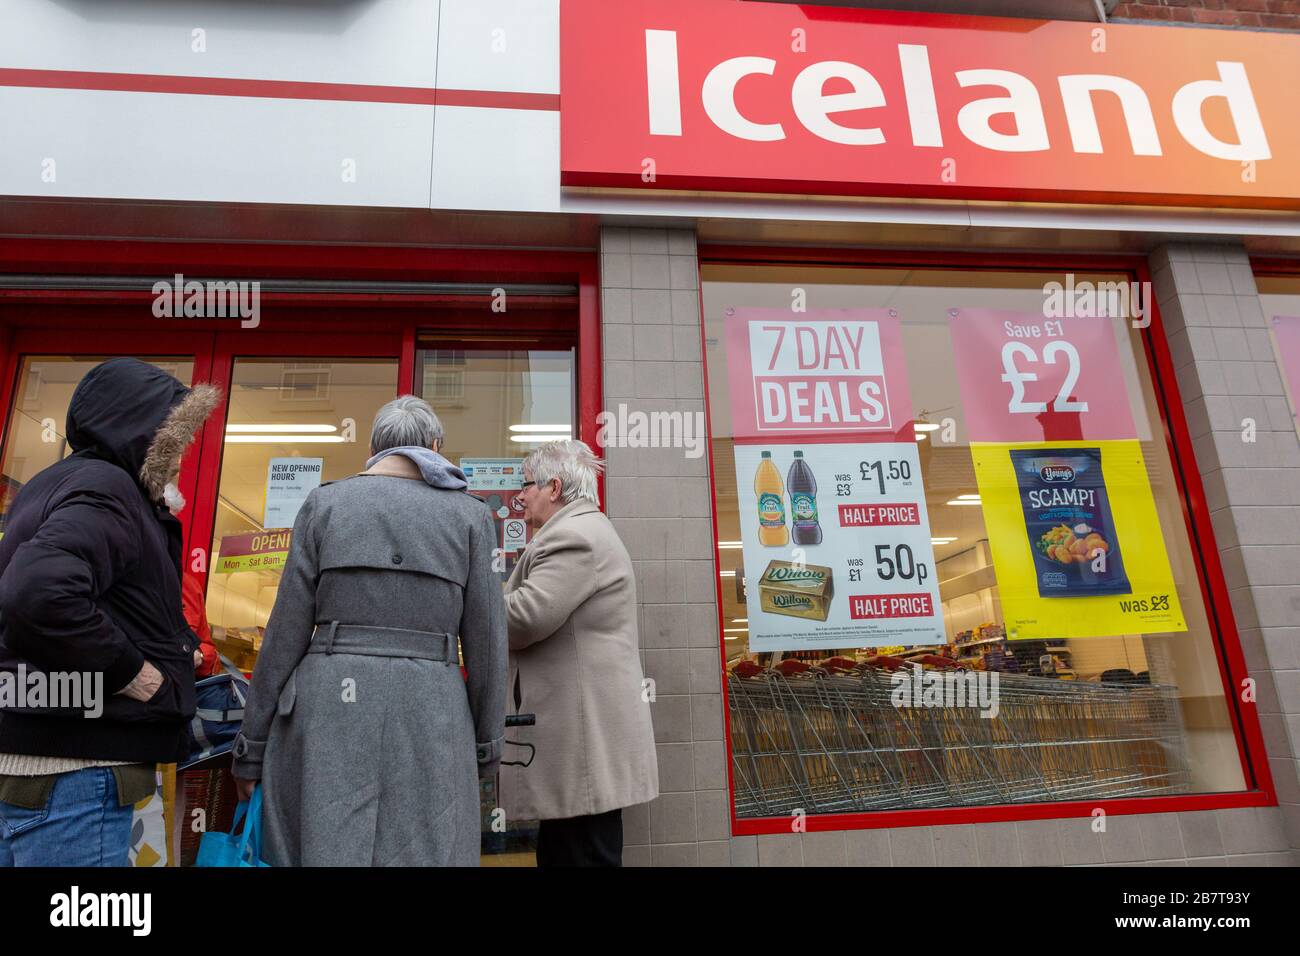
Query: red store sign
(726, 96)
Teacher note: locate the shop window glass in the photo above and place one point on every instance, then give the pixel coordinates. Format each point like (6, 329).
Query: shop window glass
(291, 425)
(1103, 716)
(496, 405)
(1279, 296)
(38, 417)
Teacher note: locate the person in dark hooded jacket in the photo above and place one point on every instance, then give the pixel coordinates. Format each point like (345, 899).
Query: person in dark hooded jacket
(90, 586)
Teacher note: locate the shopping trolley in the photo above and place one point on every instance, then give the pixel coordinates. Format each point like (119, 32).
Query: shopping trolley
(831, 740)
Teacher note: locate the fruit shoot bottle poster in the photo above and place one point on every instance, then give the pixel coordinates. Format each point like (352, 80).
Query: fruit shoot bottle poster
(1068, 509)
(833, 520)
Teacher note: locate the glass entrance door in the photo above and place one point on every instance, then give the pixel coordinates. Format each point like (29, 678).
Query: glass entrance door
(496, 405)
(291, 423)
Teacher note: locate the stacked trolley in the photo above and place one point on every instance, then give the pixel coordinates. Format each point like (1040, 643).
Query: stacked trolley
(832, 740)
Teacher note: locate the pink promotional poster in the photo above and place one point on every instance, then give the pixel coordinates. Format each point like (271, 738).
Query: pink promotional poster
(1027, 378)
(822, 375)
(820, 403)
(1072, 525)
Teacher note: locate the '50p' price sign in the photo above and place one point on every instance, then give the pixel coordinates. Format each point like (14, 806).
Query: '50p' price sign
(1025, 377)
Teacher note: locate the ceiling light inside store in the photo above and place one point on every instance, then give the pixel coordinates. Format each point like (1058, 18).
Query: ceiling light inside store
(925, 426)
(538, 439)
(548, 429)
(965, 501)
(281, 428)
(282, 439)
(729, 545)
(920, 436)
(942, 540)
(968, 497)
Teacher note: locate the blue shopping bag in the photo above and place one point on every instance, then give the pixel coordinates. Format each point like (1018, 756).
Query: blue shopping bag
(218, 715)
(234, 848)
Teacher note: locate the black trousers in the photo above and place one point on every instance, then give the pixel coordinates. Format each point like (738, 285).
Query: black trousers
(581, 841)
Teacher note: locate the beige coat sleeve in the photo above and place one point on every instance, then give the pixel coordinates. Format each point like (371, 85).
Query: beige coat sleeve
(561, 576)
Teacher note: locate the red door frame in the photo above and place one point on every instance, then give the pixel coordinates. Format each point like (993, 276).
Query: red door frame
(230, 346)
(404, 313)
(293, 324)
(1214, 591)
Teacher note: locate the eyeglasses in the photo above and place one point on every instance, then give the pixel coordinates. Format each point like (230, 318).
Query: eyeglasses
(527, 484)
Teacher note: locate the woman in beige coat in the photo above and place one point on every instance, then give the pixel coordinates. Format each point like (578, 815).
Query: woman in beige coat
(575, 663)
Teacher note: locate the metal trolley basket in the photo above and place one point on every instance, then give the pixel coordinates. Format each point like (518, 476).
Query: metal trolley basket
(828, 742)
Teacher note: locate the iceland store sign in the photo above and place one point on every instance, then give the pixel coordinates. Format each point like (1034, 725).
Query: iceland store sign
(774, 98)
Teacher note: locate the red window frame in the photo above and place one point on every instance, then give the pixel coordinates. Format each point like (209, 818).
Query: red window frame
(1275, 267)
(330, 313)
(255, 344)
(325, 324)
(1214, 591)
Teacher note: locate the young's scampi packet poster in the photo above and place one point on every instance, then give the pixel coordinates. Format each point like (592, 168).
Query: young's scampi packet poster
(1067, 515)
(1076, 540)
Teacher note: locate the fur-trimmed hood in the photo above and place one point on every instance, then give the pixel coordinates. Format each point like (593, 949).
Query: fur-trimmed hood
(138, 417)
(174, 436)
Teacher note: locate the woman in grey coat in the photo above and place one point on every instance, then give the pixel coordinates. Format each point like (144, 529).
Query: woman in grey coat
(368, 741)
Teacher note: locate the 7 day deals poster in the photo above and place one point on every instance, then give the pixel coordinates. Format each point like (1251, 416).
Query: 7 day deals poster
(1071, 521)
(833, 520)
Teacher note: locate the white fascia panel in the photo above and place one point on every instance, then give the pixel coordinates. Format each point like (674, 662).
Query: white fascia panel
(500, 45)
(496, 159)
(213, 148)
(384, 42)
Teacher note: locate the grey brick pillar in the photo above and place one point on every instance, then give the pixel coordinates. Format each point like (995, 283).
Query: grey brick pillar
(659, 500)
(1230, 384)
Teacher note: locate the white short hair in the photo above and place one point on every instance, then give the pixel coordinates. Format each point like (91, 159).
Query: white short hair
(573, 462)
(405, 422)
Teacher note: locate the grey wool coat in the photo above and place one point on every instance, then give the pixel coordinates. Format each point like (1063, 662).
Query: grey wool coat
(375, 760)
(575, 663)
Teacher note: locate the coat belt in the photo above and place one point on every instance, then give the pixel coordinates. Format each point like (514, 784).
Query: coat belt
(331, 637)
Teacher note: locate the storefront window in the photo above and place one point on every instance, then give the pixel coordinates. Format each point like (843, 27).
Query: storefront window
(291, 425)
(833, 592)
(36, 437)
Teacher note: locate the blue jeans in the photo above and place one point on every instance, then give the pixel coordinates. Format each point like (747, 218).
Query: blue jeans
(81, 825)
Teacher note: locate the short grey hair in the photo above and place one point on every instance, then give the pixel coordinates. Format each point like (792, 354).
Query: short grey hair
(573, 462)
(405, 422)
